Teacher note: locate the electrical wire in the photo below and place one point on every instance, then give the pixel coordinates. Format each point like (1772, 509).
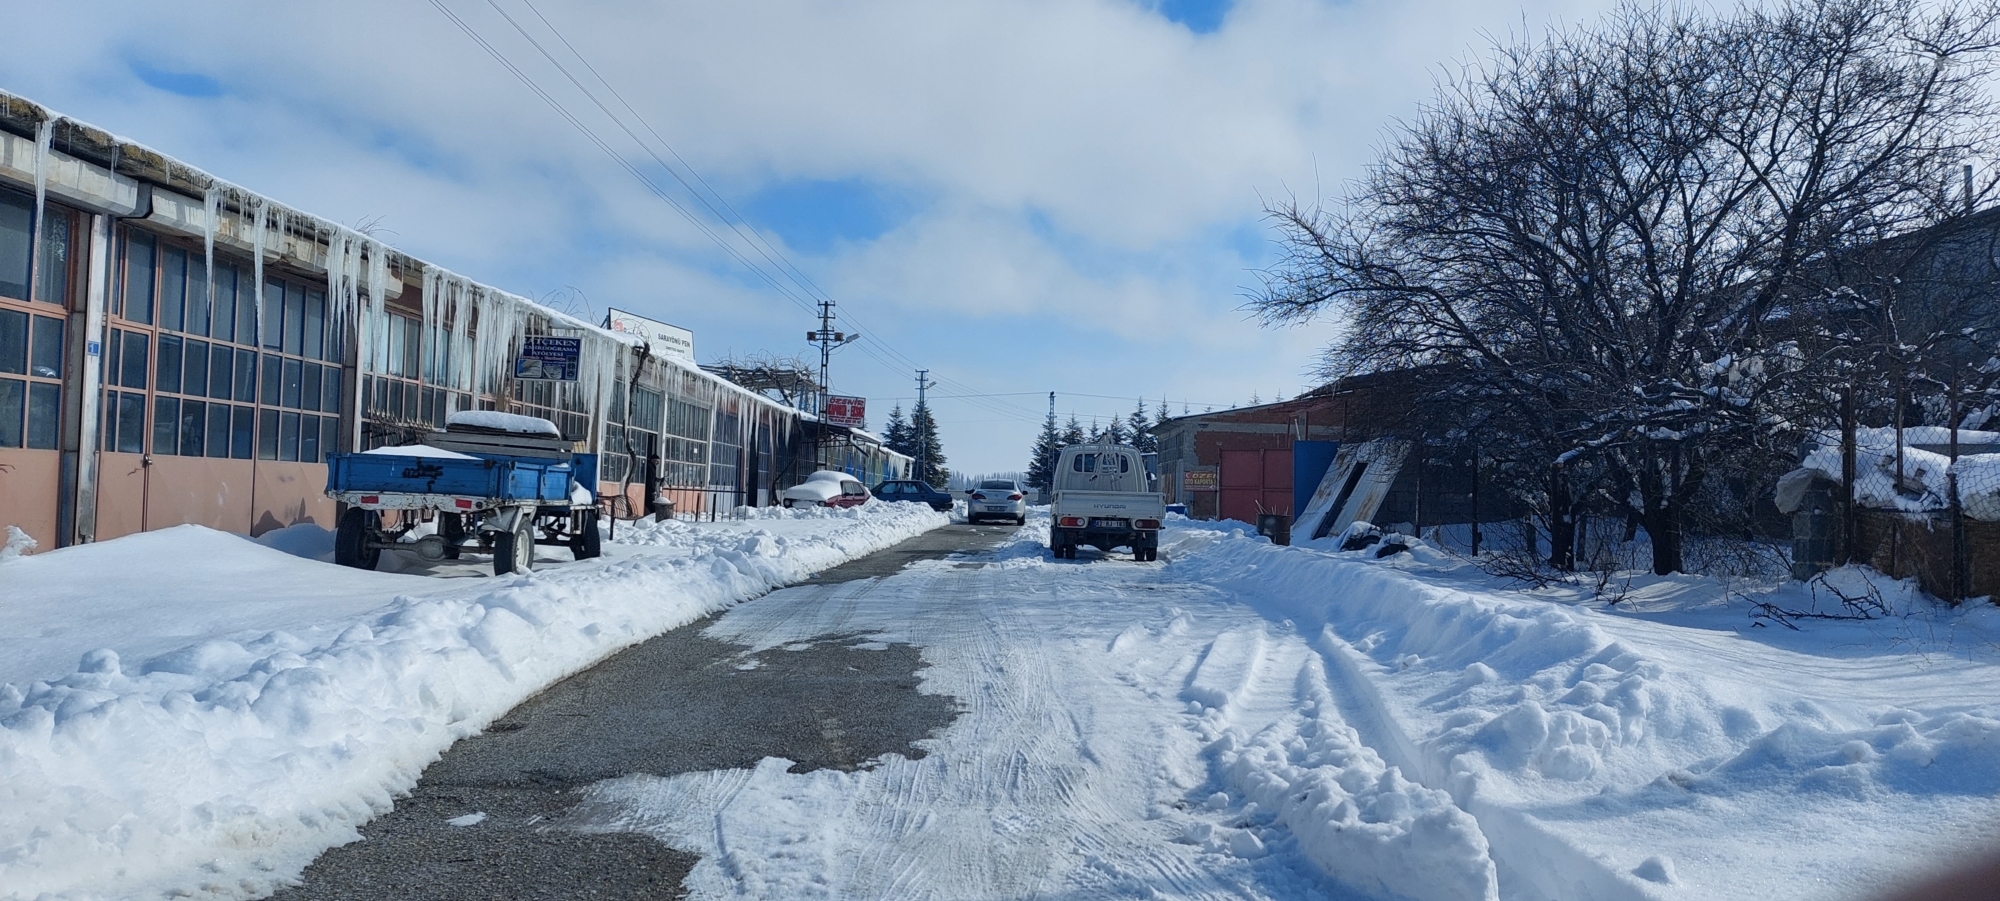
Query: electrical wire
(875, 349)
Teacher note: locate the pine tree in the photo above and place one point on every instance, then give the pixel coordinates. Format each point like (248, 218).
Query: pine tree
(896, 436)
(1096, 434)
(1048, 445)
(1141, 427)
(1115, 433)
(924, 445)
(1072, 432)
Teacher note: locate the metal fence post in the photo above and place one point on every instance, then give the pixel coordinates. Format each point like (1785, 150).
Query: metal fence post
(1850, 513)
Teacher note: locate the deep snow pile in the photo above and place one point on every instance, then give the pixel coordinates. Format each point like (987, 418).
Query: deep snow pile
(303, 697)
(1614, 754)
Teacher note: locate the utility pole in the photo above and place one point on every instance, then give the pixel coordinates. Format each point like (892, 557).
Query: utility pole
(827, 339)
(924, 436)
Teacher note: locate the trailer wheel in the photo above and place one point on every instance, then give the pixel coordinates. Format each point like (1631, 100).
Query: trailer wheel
(589, 542)
(351, 546)
(514, 552)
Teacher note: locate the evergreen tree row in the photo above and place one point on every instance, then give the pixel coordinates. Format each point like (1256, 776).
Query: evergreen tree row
(1136, 429)
(917, 437)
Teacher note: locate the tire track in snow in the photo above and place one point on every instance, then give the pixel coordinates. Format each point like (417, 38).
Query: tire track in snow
(1056, 781)
(1531, 861)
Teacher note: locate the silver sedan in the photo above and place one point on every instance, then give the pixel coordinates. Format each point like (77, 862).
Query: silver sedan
(997, 499)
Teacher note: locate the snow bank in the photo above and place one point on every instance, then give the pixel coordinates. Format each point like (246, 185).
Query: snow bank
(1356, 817)
(1764, 759)
(222, 766)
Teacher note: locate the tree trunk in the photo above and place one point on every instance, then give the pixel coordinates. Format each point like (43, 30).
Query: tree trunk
(1562, 523)
(1663, 525)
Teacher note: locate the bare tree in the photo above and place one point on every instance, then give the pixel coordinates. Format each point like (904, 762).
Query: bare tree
(1615, 239)
(788, 380)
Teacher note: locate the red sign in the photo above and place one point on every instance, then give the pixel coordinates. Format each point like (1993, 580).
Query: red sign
(848, 411)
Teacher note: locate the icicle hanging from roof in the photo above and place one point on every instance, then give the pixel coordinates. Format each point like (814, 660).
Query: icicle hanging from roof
(211, 210)
(44, 133)
(256, 211)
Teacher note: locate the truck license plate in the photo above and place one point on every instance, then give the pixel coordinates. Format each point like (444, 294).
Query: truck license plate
(1107, 524)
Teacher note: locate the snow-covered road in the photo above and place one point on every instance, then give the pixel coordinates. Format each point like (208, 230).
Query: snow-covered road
(1242, 720)
(1261, 722)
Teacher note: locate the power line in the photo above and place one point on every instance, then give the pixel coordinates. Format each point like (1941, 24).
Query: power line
(592, 136)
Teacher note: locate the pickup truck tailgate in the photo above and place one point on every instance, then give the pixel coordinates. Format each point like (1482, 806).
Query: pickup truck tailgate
(1110, 504)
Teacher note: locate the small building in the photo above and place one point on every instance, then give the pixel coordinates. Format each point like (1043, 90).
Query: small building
(1269, 458)
(177, 349)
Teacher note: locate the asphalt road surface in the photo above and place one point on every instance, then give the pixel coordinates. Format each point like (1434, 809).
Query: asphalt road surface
(679, 703)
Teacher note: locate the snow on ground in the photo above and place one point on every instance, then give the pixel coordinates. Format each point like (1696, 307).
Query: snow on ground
(189, 713)
(1264, 722)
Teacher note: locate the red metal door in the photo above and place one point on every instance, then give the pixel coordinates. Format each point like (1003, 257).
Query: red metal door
(1255, 481)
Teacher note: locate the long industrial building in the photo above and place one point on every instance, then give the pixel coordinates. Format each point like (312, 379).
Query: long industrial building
(175, 349)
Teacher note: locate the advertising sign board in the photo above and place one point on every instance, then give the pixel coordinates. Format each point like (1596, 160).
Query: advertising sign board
(848, 411)
(548, 358)
(666, 340)
(1200, 480)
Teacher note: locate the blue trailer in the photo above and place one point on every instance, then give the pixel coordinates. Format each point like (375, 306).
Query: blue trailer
(489, 491)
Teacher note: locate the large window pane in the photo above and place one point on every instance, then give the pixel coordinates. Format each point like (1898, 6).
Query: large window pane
(268, 395)
(166, 425)
(194, 428)
(167, 376)
(197, 302)
(173, 287)
(242, 432)
(138, 276)
(329, 436)
(221, 362)
(329, 390)
(218, 430)
(288, 436)
(315, 336)
(14, 342)
(195, 382)
(395, 410)
(48, 349)
(267, 434)
(246, 376)
(17, 214)
(44, 414)
(295, 318)
(131, 423)
(13, 402)
(52, 270)
(272, 327)
(224, 314)
(397, 337)
(132, 358)
(309, 387)
(246, 309)
(290, 397)
(309, 439)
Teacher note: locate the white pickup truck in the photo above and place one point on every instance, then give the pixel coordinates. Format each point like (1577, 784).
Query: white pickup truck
(1101, 499)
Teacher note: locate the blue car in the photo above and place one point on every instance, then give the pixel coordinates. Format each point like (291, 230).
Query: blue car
(915, 492)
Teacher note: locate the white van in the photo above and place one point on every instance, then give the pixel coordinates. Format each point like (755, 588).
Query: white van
(1102, 500)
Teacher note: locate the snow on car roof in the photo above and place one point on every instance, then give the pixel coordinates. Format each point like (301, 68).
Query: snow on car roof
(506, 422)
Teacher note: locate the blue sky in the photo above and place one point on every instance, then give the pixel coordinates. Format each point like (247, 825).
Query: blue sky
(1022, 196)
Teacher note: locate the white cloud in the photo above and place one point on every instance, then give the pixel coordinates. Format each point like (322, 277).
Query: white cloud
(1084, 163)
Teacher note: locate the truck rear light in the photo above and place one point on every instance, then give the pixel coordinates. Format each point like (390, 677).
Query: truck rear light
(1145, 524)
(1013, 497)
(463, 504)
(371, 498)
(1071, 522)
